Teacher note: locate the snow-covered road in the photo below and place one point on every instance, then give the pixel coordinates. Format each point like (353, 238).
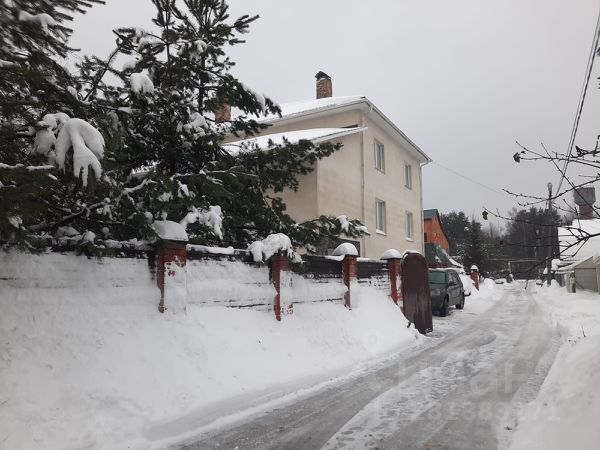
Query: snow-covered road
(464, 391)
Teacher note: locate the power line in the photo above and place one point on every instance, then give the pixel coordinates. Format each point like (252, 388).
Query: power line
(582, 95)
(496, 191)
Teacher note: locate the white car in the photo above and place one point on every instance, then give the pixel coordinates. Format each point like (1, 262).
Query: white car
(467, 284)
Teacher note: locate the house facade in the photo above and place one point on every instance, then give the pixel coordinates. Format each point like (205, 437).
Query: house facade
(376, 176)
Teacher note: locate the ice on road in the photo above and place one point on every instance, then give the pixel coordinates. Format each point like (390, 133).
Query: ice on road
(462, 392)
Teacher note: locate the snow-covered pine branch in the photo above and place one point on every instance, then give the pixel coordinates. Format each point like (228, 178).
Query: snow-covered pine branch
(43, 20)
(213, 218)
(88, 148)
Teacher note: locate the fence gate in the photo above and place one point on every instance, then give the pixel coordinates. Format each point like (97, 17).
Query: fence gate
(415, 292)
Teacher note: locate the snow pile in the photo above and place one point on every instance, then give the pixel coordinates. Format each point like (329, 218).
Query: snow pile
(392, 253)
(167, 229)
(566, 411)
(88, 362)
(487, 289)
(345, 249)
(141, 83)
(43, 20)
(272, 244)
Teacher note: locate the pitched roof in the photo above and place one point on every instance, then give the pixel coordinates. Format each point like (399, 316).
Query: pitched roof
(315, 135)
(303, 107)
(297, 110)
(580, 240)
(429, 213)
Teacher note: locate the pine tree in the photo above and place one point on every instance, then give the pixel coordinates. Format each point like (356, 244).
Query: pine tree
(165, 155)
(38, 96)
(474, 252)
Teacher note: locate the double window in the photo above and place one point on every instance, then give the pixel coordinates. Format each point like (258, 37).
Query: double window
(380, 216)
(379, 157)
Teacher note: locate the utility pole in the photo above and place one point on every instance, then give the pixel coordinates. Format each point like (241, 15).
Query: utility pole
(549, 234)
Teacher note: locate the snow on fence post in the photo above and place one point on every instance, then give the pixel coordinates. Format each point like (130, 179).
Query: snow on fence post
(349, 269)
(171, 271)
(475, 276)
(281, 279)
(394, 262)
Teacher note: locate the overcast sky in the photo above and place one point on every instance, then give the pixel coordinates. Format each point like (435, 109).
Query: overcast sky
(464, 79)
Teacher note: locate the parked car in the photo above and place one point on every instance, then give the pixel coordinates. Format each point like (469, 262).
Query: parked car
(446, 290)
(467, 284)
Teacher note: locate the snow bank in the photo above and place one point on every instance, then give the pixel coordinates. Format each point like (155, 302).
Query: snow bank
(566, 411)
(88, 362)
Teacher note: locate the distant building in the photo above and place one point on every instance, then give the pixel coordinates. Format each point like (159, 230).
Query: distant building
(433, 230)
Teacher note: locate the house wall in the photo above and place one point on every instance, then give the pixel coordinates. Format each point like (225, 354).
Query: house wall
(336, 185)
(389, 186)
(435, 234)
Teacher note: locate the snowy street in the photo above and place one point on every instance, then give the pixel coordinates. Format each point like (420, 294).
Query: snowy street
(463, 391)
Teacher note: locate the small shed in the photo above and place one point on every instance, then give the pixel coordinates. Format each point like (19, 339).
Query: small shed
(585, 271)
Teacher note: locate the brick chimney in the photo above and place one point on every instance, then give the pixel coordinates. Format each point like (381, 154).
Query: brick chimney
(223, 113)
(324, 87)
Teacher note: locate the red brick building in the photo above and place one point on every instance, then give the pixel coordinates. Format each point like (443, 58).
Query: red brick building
(433, 230)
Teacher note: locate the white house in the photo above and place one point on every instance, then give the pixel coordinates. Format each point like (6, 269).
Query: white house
(375, 177)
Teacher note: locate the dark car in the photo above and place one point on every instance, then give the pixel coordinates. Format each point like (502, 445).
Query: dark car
(446, 290)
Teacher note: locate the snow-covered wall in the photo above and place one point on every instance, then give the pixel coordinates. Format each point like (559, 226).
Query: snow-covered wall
(228, 283)
(119, 277)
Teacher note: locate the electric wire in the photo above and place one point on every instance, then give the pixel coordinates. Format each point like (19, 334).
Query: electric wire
(496, 191)
(582, 96)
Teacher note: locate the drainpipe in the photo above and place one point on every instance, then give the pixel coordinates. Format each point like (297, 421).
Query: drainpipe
(362, 181)
(422, 216)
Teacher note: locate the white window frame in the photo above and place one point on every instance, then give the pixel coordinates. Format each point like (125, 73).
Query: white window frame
(407, 175)
(379, 155)
(410, 226)
(380, 213)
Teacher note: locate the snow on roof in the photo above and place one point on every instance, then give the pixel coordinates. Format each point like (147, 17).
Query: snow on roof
(292, 110)
(313, 105)
(315, 135)
(580, 229)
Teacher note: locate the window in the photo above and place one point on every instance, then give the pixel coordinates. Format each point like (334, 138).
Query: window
(409, 225)
(380, 216)
(408, 176)
(379, 157)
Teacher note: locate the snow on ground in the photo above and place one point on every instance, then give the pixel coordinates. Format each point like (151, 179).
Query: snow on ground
(86, 361)
(566, 411)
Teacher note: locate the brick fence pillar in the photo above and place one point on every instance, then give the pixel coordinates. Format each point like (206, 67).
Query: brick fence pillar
(171, 274)
(281, 279)
(475, 278)
(350, 272)
(395, 273)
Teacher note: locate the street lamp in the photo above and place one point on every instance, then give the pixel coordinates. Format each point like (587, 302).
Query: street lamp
(549, 235)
